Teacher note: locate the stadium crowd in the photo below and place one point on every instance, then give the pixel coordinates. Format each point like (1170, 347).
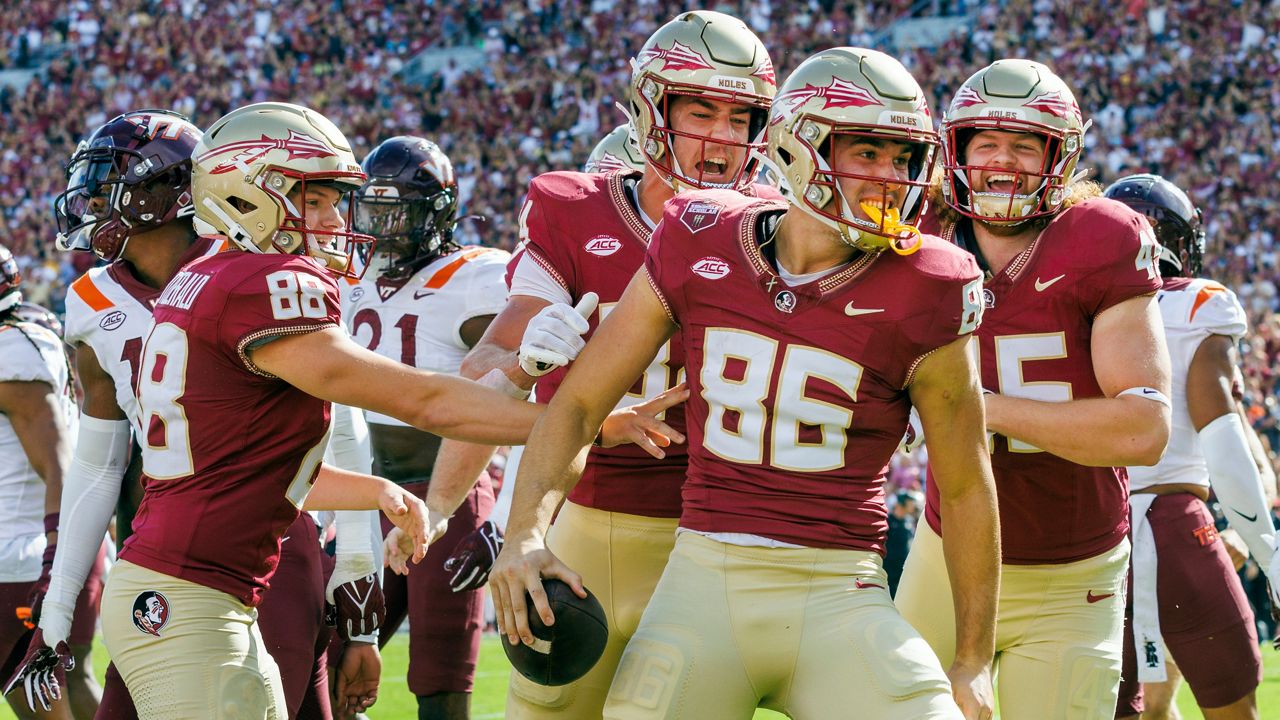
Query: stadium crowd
(1185, 88)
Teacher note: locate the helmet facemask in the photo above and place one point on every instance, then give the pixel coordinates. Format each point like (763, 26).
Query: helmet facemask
(409, 230)
(659, 148)
(1041, 197)
(336, 248)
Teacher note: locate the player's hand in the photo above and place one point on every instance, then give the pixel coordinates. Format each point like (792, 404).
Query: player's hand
(640, 424)
(971, 687)
(41, 673)
(519, 569)
(409, 513)
(398, 546)
(354, 598)
(473, 558)
(914, 436)
(553, 337)
(356, 677)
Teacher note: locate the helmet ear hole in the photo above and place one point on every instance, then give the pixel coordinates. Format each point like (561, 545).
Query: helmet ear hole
(242, 205)
(785, 156)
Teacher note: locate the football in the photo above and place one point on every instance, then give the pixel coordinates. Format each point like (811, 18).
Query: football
(566, 650)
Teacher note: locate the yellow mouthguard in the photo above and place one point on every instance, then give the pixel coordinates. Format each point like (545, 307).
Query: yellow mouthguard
(889, 220)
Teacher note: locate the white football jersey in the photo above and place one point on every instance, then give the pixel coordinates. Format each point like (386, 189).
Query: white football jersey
(111, 313)
(1192, 311)
(419, 323)
(30, 353)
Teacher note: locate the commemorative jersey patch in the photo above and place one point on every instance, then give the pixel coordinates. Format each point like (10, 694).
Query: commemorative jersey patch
(112, 320)
(603, 245)
(711, 267)
(699, 215)
(150, 612)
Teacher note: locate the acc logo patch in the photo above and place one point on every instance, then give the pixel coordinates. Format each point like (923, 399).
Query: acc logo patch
(150, 612)
(603, 245)
(112, 320)
(711, 267)
(699, 215)
(357, 293)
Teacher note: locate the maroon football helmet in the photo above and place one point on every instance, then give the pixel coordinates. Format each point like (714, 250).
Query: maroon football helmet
(133, 174)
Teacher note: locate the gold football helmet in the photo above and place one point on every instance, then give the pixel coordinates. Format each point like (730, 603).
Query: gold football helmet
(250, 160)
(1018, 96)
(616, 151)
(862, 93)
(703, 54)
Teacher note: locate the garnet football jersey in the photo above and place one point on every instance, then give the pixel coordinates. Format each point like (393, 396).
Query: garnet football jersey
(1192, 310)
(798, 395)
(229, 451)
(109, 310)
(28, 353)
(585, 233)
(418, 323)
(1035, 342)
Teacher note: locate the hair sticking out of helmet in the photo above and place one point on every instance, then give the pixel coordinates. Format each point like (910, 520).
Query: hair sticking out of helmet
(10, 281)
(409, 203)
(1176, 221)
(616, 151)
(707, 58)
(1016, 97)
(253, 160)
(132, 174)
(840, 106)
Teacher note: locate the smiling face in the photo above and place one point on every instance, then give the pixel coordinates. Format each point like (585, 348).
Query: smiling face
(1005, 163)
(709, 138)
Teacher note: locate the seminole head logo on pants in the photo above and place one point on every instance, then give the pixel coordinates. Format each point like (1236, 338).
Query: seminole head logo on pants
(150, 612)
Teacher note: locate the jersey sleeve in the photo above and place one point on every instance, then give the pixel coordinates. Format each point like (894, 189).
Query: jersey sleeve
(485, 292)
(23, 361)
(658, 262)
(1217, 311)
(1120, 259)
(952, 283)
(290, 298)
(542, 241)
(84, 302)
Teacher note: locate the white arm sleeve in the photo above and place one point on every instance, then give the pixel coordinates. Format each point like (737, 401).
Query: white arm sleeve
(90, 490)
(354, 557)
(1234, 477)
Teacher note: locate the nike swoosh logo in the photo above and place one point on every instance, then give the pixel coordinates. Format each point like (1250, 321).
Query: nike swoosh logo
(852, 311)
(1250, 518)
(863, 585)
(1042, 286)
(1091, 598)
(418, 294)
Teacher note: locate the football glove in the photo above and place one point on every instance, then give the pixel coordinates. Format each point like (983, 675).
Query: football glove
(355, 605)
(553, 337)
(473, 558)
(42, 672)
(914, 436)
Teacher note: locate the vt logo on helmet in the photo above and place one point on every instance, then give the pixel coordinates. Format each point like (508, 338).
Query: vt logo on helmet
(131, 175)
(851, 135)
(689, 74)
(251, 166)
(998, 186)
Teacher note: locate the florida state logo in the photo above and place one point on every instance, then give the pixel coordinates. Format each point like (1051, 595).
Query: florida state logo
(967, 97)
(676, 57)
(785, 301)
(610, 162)
(150, 612)
(838, 94)
(766, 74)
(1054, 104)
(299, 146)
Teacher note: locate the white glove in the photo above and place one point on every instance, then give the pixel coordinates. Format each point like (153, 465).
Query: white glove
(914, 436)
(553, 337)
(1273, 577)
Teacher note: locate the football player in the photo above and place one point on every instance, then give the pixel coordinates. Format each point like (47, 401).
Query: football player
(1185, 594)
(698, 100)
(811, 328)
(36, 418)
(425, 301)
(616, 151)
(1072, 353)
(128, 201)
(236, 374)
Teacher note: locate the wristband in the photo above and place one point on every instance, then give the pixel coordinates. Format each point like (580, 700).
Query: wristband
(1148, 393)
(51, 522)
(499, 381)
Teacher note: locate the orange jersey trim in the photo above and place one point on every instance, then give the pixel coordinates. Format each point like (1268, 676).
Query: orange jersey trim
(90, 294)
(1203, 296)
(442, 276)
